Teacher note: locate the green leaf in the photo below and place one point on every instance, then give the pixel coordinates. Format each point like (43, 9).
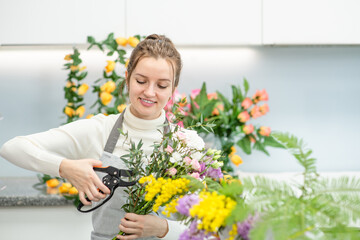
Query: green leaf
(91, 39)
(271, 141)
(259, 146)
(246, 86)
(245, 144)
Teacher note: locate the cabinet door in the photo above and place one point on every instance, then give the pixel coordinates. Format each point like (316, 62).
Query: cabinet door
(311, 22)
(59, 21)
(199, 22)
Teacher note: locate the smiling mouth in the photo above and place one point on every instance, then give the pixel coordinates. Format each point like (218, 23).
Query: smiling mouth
(147, 101)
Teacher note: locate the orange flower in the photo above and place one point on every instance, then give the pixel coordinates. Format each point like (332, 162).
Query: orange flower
(246, 103)
(69, 111)
(110, 66)
(52, 182)
(243, 116)
(264, 108)
(212, 96)
(67, 57)
(74, 68)
(109, 87)
(218, 108)
(265, 131)
(83, 89)
(80, 111)
(255, 112)
(236, 159)
(121, 41)
(133, 41)
(183, 102)
(248, 129)
(105, 98)
(260, 96)
(121, 108)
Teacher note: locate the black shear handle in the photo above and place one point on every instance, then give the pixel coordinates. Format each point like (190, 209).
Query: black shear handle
(97, 206)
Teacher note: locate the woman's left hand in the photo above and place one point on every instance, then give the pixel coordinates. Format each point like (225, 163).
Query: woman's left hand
(138, 226)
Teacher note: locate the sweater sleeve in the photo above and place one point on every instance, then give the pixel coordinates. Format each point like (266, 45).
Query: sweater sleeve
(43, 152)
(175, 229)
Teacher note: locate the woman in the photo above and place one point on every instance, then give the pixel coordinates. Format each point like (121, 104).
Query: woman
(72, 150)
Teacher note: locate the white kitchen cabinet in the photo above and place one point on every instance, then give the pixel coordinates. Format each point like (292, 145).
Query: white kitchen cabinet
(201, 22)
(59, 22)
(307, 22)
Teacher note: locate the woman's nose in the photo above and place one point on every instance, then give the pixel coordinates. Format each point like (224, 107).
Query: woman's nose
(150, 91)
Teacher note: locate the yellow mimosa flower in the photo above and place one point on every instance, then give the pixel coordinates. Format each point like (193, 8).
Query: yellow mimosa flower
(83, 89)
(121, 108)
(74, 68)
(110, 66)
(105, 98)
(67, 57)
(80, 111)
(121, 41)
(109, 87)
(69, 111)
(133, 41)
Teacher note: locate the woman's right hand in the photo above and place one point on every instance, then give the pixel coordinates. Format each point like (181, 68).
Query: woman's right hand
(81, 174)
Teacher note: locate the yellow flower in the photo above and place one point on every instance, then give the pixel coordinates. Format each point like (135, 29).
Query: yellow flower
(73, 191)
(110, 66)
(52, 182)
(105, 98)
(82, 68)
(133, 41)
(236, 159)
(89, 116)
(67, 57)
(83, 89)
(233, 151)
(69, 111)
(121, 41)
(127, 63)
(80, 111)
(121, 108)
(64, 188)
(72, 85)
(109, 87)
(74, 68)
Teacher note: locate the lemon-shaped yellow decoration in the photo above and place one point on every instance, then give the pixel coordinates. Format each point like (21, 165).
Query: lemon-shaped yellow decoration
(109, 87)
(133, 41)
(80, 111)
(73, 191)
(83, 89)
(121, 41)
(52, 182)
(105, 98)
(89, 116)
(69, 111)
(110, 66)
(121, 108)
(67, 57)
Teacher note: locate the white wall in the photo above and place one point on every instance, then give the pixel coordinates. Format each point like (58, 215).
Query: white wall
(313, 93)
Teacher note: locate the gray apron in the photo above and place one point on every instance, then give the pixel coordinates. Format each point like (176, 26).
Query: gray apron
(106, 219)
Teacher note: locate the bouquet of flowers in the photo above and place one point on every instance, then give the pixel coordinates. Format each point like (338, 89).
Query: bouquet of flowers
(179, 153)
(229, 119)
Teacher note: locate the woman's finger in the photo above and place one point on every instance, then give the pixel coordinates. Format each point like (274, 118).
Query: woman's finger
(83, 199)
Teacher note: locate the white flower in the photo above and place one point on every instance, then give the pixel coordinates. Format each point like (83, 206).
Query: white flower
(176, 156)
(193, 140)
(216, 164)
(196, 156)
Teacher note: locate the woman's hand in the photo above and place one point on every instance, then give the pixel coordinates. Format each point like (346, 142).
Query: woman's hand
(139, 226)
(81, 174)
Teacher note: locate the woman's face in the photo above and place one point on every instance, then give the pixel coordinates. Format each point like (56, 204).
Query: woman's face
(150, 87)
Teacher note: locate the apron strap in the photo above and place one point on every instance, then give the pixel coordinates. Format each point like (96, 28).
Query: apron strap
(115, 133)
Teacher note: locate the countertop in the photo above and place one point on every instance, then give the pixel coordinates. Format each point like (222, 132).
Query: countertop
(19, 191)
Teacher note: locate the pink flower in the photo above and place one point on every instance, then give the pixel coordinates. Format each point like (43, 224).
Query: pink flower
(194, 93)
(169, 149)
(182, 111)
(195, 175)
(195, 165)
(248, 129)
(243, 116)
(264, 109)
(180, 135)
(172, 171)
(212, 96)
(181, 124)
(265, 131)
(170, 116)
(255, 112)
(187, 161)
(260, 96)
(246, 103)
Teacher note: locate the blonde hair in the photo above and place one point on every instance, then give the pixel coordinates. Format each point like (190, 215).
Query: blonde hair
(156, 46)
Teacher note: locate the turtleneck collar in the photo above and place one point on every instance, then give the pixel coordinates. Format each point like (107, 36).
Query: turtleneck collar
(143, 124)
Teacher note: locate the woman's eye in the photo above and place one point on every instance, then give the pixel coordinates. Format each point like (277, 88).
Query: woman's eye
(140, 82)
(160, 86)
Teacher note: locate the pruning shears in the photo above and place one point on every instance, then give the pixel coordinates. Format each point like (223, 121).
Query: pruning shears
(112, 180)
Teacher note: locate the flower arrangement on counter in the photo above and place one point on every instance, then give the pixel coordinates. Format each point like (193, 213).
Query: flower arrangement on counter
(230, 119)
(261, 208)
